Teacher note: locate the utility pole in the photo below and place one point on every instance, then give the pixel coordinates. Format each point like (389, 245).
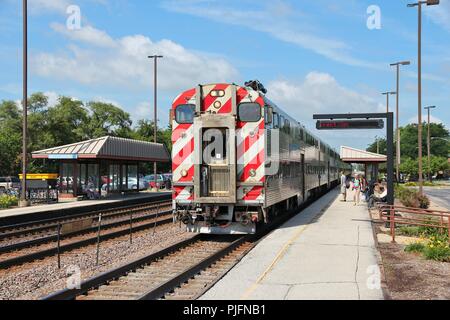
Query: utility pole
(419, 83)
(155, 104)
(398, 149)
(387, 98)
(23, 195)
(429, 143)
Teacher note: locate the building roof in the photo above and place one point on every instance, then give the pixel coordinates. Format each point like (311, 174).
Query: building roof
(352, 155)
(107, 147)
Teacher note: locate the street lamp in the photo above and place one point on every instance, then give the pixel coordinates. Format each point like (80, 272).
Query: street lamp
(155, 104)
(429, 142)
(419, 77)
(387, 98)
(23, 195)
(397, 65)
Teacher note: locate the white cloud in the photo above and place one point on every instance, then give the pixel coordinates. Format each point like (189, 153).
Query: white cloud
(433, 119)
(86, 34)
(53, 98)
(440, 14)
(123, 62)
(321, 93)
(278, 27)
(45, 6)
(144, 110)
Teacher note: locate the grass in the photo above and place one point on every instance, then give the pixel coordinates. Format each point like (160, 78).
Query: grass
(436, 248)
(415, 247)
(409, 231)
(439, 253)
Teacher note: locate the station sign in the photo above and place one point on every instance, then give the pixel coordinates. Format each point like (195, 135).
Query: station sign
(349, 124)
(73, 156)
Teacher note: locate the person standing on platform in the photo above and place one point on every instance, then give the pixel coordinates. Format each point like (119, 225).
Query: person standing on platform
(357, 190)
(343, 186)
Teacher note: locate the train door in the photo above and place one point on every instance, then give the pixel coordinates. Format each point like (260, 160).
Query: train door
(215, 145)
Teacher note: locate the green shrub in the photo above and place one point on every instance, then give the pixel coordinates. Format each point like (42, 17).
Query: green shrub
(410, 184)
(438, 253)
(398, 189)
(8, 201)
(431, 231)
(410, 231)
(424, 202)
(415, 247)
(409, 198)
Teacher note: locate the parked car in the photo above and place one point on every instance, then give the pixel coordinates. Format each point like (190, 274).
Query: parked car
(151, 180)
(132, 184)
(9, 183)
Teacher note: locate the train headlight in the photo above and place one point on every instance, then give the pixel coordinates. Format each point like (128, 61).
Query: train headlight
(217, 104)
(184, 173)
(252, 173)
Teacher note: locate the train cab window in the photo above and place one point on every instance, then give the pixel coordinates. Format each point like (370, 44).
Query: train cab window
(184, 113)
(249, 112)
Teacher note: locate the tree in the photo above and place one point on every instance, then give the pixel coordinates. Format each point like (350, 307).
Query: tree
(409, 143)
(10, 138)
(107, 119)
(381, 144)
(67, 122)
(145, 130)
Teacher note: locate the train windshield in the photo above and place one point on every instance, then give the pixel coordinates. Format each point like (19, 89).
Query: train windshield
(185, 113)
(249, 112)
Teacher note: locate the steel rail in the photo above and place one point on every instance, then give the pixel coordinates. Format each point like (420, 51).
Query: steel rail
(96, 281)
(169, 285)
(27, 227)
(51, 238)
(78, 244)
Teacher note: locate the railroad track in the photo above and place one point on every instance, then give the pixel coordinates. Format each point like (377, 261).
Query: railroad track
(46, 226)
(184, 271)
(82, 238)
(156, 276)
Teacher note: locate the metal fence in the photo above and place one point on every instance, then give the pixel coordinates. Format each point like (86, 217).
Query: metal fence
(398, 215)
(43, 195)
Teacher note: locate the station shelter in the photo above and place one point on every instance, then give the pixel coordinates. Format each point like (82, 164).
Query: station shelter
(370, 160)
(102, 166)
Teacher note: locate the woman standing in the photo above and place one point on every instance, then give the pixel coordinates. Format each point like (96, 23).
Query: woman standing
(357, 190)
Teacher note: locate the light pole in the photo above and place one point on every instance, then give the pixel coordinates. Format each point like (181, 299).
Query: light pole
(429, 142)
(155, 104)
(397, 65)
(23, 195)
(419, 82)
(387, 98)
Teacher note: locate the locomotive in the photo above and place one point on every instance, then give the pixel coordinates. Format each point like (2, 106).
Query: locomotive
(238, 160)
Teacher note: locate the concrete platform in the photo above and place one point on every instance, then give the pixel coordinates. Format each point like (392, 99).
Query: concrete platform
(325, 253)
(16, 215)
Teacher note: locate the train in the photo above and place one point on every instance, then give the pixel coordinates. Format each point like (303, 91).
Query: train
(239, 160)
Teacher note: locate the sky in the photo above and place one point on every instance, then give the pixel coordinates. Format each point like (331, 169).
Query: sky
(321, 56)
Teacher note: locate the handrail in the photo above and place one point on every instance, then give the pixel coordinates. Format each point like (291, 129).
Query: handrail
(413, 216)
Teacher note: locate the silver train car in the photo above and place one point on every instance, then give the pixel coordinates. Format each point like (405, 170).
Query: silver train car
(239, 160)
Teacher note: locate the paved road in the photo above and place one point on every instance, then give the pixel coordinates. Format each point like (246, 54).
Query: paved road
(440, 196)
